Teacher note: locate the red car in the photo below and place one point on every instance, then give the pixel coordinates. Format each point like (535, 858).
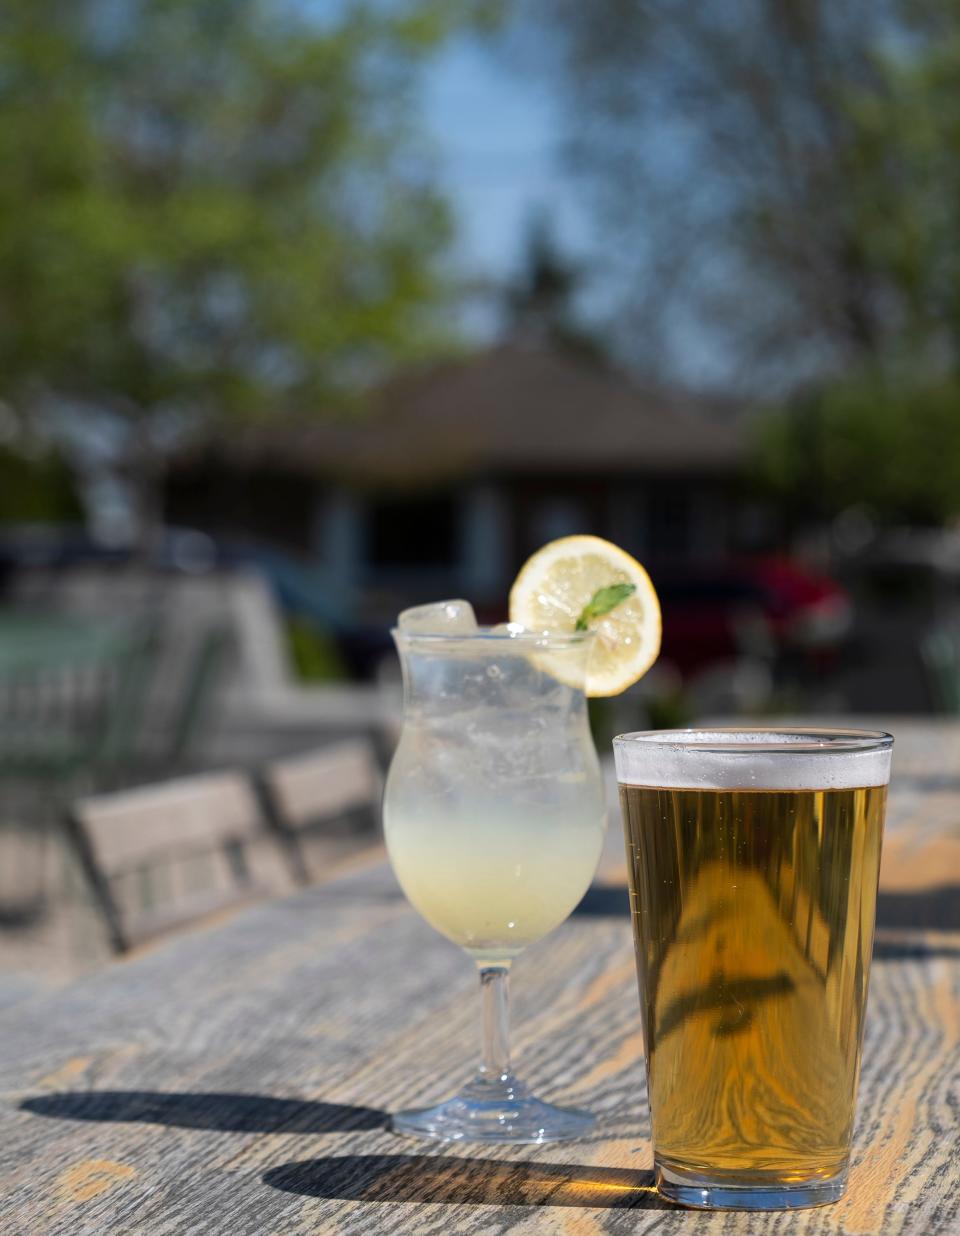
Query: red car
(765, 606)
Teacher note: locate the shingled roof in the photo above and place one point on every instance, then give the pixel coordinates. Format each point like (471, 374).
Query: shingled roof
(509, 410)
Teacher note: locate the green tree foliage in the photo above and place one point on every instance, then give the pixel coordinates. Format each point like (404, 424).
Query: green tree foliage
(891, 445)
(781, 179)
(541, 300)
(886, 430)
(776, 176)
(37, 490)
(903, 196)
(209, 209)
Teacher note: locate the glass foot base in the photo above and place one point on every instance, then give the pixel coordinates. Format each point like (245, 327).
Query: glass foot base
(494, 1111)
(704, 1193)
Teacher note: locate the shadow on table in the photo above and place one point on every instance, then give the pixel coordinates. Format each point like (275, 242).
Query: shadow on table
(605, 901)
(927, 909)
(466, 1182)
(912, 950)
(229, 1113)
(931, 908)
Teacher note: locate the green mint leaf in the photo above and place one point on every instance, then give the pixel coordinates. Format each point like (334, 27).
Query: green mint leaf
(602, 602)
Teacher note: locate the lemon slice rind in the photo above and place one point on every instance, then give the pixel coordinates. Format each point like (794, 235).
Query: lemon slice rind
(554, 585)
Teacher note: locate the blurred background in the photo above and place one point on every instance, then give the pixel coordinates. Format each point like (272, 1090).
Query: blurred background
(311, 310)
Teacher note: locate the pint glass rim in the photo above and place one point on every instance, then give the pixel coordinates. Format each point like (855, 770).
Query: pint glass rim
(754, 757)
(788, 740)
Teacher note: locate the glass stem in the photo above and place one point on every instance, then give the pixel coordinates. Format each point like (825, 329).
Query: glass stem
(495, 994)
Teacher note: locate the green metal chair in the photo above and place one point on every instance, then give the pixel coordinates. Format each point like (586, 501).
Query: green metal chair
(71, 697)
(71, 706)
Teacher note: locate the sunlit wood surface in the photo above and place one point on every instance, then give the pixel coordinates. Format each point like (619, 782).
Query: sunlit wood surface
(237, 1080)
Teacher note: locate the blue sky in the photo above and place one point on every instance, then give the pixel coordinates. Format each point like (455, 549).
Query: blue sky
(497, 133)
(497, 136)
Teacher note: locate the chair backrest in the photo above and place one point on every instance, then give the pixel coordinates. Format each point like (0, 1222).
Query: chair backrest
(71, 694)
(323, 784)
(191, 715)
(239, 601)
(139, 841)
(332, 783)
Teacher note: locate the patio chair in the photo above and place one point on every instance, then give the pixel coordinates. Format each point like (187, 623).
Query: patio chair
(181, 708)
(329, 796)
(71, 710)
(71, 697)
(162, 856)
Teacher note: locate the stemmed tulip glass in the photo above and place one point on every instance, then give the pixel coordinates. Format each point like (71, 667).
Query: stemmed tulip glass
(494, 818)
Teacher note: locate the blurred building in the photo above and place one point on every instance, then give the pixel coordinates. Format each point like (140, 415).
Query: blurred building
(454, 474)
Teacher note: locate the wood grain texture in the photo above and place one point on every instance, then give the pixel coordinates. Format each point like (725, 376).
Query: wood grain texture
(237, 1081)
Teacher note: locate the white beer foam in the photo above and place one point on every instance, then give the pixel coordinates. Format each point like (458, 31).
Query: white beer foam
(754, 759)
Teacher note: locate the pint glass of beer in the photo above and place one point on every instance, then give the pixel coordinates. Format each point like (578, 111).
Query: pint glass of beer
(753, 859)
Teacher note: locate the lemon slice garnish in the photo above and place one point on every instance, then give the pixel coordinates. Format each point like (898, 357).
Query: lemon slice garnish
(559, 580)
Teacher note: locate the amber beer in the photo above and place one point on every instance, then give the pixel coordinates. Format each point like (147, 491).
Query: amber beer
(753, 871)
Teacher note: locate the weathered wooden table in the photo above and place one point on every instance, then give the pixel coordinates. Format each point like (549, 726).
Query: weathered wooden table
(238, 1080)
